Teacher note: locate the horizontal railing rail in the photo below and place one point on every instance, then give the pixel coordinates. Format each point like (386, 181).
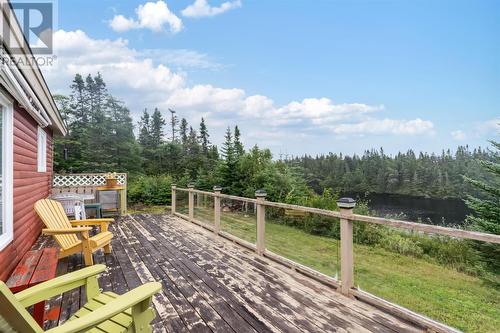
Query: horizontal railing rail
(347, 219)
(413, 226)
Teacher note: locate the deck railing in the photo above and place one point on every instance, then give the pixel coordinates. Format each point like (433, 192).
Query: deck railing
(347, 218)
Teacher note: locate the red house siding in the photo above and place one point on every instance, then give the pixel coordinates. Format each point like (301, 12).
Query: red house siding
(29, 186)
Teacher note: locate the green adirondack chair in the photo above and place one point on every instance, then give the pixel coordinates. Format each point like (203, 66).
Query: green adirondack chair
(105, 311)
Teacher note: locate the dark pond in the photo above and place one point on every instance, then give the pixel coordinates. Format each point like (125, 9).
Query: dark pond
(445, 212)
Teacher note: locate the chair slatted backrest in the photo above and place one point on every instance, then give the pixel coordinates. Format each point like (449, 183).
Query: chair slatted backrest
(53, 216)
(13, 316)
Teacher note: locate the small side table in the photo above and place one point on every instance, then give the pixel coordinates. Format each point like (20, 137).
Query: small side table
(35, 267)
(96, 206)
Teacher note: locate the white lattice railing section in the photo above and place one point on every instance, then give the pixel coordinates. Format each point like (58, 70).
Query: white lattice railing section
(85, 179)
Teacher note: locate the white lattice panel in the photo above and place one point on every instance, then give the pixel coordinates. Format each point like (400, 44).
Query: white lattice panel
(85, 179)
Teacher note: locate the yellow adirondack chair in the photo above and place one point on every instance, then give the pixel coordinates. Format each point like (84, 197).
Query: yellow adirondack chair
(103, 312)
(64, 231)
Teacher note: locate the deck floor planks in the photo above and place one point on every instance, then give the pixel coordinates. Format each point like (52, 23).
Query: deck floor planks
(304, 287)
(380, 323)
(137, 273)
(248, 287)
(211, 284)
(240, 321)
(259, 311)
(194, 286)
(273, 285)
(196, 315)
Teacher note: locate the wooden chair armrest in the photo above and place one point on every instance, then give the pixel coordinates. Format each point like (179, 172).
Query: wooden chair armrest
(58, 285)
(91, 221)
(65, 231)
(111, 309)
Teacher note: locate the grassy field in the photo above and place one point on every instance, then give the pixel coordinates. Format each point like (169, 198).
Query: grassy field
(454, 298)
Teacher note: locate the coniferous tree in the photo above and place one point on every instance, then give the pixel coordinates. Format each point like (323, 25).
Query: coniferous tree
(238, 146)
(228, 146)
(227, 167)
(192, 153)
(204, 136)
(100, 130)
(183, 129)
(174, 121)
(78, 124)
(125, 153)
(144, 130)
(89, 94)
(62, 145)
(486, 216)
(156, 130)
(99, 137)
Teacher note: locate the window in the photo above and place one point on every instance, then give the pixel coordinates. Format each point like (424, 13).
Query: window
(6, 155)
(42, 150)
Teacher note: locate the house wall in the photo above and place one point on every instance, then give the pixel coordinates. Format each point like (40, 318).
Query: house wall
(29, 186)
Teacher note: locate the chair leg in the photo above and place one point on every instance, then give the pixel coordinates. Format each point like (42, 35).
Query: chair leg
(142, 315)
(107, 249)
(87, 251)
(87, 258)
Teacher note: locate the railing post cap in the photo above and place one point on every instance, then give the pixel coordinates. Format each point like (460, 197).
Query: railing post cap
(346, 203)
(217, 188)
(190, 185)
(260, 193)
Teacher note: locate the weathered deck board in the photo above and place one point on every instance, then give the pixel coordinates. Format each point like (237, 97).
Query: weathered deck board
(213, 285)
(267, 288)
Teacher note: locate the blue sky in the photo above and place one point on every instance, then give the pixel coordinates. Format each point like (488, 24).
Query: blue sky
(298, 76)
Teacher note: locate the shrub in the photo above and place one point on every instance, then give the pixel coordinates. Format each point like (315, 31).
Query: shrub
(368, 234)
(150, 190)
(456, 253)
(403, 245)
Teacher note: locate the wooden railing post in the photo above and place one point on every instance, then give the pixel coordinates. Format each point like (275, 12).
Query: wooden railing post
(217, 190)
(174, 198)
(261, 221)
(191, 201)
(346, 206)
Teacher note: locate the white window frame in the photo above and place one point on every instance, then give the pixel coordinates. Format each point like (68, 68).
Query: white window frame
(7, 171)
(41, 150)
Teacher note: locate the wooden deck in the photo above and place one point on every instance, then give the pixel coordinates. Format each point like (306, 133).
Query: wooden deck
(213, 285)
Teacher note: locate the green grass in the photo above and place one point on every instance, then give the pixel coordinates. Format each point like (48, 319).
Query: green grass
(456, 299)
(156, 210)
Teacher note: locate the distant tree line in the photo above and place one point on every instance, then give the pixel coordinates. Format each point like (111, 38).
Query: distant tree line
(423, 174)
(101, 139)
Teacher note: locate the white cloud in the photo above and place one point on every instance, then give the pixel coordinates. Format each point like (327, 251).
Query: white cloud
(207, 97)
(322, 111)
(201, 8)
(492, 125)
(182, 58)
(151, 15)
(143, 81)
(458, 135)
(385, 126)
(123, 68)
(120, 23)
